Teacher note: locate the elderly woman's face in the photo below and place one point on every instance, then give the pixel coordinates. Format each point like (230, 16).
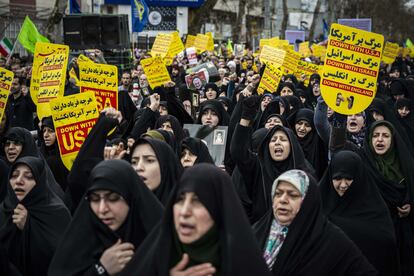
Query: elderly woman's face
(187, 158)
(381, 139)
(110, 207)
(22, 181)
(191, 218)
(286, 203)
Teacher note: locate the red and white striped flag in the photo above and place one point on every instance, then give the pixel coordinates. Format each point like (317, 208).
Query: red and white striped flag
(5, 47)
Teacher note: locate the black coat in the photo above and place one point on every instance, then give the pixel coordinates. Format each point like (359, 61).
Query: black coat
(238, 250)
(32, 248)
(87, 237)
(361, 212)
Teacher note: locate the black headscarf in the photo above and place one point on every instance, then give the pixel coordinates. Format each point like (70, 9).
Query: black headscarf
(271, 169)
(217, 107)
(289, 85)
(87, 237)
(394, 177)
(4, 170)
(313, 245)
(175, 125)
(380, 106)
(408, 121)
(32, 248)
(361, 212)
(29, 148)
(197, 147)
(23, 136)
(237, 248)
(52, 155)
(170, 167)
(316, 152)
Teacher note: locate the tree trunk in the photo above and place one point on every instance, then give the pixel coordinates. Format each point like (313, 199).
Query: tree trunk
(237, 28)
(198, 16)
(285, 18)
(55, 18)
(315, 19)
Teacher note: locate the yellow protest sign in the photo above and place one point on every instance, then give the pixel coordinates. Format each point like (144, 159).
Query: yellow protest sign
(156, 72)
(161, 45)
(272, 55)
(73, 118)
(318, 51)
(201, 42)
(189, 42)
(176, 46)
(350, 72)
(48, 75)
(6, 79)
(102, 80)
(304, 50)
(290, 63)
(390, 52)
(307, 69)
(210, 46)
(270, 79)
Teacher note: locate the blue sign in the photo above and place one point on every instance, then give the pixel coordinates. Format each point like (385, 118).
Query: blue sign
(359, 23)
(165, 3)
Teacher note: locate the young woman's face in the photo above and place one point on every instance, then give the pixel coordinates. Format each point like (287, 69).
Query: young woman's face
(167, 126)
(49, 136)
(22, 181)
(188, 158)
(110, 207)
(210, 118)
(403, 111)
(302, 128)
(286, 91)
(273, 121)
(341, 185)
(211, 94)
(266, 100)
(279, 146)
(145, 163)
(12, 150)
(191, 218)
(286, 203)
(381, 139)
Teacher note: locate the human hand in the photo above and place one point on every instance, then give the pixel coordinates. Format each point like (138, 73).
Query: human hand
(111, 112)
(169, 84)
(117, 256)
(204, 269)
(155, 102)
(404, 210)
(115, 152)
(19, 216)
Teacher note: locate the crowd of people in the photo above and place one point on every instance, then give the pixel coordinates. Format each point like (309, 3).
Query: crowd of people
(303, 190)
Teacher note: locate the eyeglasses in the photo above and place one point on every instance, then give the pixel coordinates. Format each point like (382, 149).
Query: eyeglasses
(110, 197)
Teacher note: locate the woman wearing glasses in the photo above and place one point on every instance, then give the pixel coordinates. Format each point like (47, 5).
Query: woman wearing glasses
(114, 217)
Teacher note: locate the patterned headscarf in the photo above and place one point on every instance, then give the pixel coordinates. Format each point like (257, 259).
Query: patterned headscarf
(278, 233)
